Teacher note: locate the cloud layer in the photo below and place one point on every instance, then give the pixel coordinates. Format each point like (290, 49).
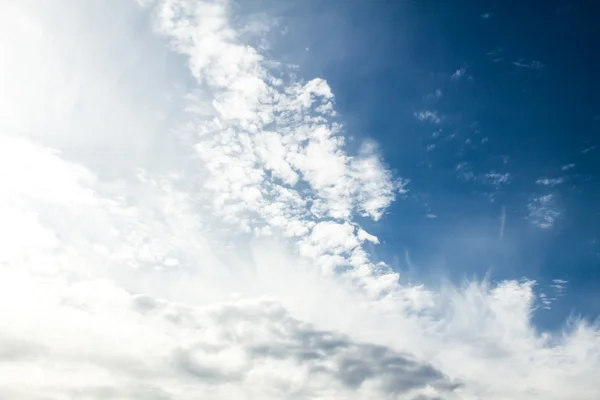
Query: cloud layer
(153, 253)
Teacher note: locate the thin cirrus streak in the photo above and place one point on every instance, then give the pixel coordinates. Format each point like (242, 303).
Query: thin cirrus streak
(215, 253)
(502, 222)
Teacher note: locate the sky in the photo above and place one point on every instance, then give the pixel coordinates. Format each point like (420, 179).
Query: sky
(299, 200)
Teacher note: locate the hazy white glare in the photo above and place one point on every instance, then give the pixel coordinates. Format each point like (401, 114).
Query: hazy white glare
(90, 79)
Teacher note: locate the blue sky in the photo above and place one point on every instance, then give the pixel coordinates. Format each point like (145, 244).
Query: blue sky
(298, 200)
(525, 105)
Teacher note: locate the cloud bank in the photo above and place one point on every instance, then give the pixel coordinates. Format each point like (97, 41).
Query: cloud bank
(181, 220)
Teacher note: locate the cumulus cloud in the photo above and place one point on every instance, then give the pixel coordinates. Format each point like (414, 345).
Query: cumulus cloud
(141, 346)
(216, 253)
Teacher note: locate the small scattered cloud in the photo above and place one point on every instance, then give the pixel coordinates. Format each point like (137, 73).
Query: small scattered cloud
(557, 290)
(435, 95)
(498, 179)
(495, 55)
(550, 181)
(522, 63)
(486, 15)
(428, 116)
(559, 285)
(464, 171)
(493, 178)
(543, 211)
(546, 301)
(458, 74)
(588, 149)
(567, 167)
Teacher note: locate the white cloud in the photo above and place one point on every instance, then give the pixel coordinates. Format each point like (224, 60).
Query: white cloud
(550, 181)
(280, 137)
(498, 179)
(543, 210)
(428, 116)
(559, 286)
(464, 171)
(528, 64)
(435, 95)
(458, 74)
(588, 149)
(495, 179)
(222, 259)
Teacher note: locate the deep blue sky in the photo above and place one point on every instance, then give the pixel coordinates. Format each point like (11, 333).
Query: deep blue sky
(527, 104)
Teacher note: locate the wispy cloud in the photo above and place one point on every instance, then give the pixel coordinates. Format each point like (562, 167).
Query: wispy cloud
(557, 290)
(498, 179)
(543, 210)
(559, 285)
(458, 74)
(428, 116)
(567, 167)
(496, 54)
(464, 171)
(435, 95)
(550, 181)
(588, 149)
(528, 64)
(502, 222)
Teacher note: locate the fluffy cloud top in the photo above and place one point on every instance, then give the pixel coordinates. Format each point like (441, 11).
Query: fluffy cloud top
(151, 253)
